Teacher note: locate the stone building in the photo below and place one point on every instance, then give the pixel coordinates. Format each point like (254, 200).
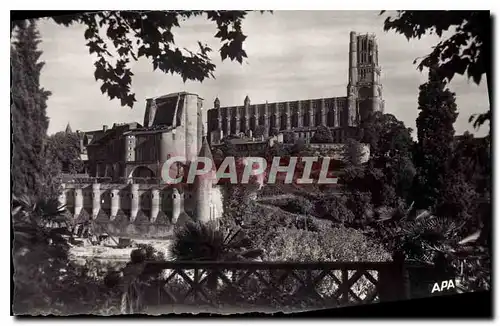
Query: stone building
(142, 208)
(128, 154)
(173, 126)
(341, 114)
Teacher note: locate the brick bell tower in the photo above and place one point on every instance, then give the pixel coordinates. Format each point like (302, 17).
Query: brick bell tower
(364, 91)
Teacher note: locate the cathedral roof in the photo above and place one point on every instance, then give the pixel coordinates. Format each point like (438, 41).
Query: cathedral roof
(150, 130)
(172, 95)
(117, 130)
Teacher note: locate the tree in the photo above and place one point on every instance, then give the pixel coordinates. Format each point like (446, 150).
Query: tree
(393, 155)
(468, 195)
(334, 208)
(388, 175)
(277, 150)
(228, 148)
(31, 175)
(260, 131)
(435, 140)
(288, 137)
(152, 33)
(322, 135)
(468, 49)
(472, 158)
(353, 152)
(63, 148)
(300, 205)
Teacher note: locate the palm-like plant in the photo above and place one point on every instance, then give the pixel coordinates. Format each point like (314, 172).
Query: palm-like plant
(38, 221)
(207, 242)
(40, 251)
(427, 238)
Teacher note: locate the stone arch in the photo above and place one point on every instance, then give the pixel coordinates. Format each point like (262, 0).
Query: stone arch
(233, 125)
(272, 122)
(243, 122)
(365, 108)
(295, 120)
(108, 170)
(106, 200)
(283, 119)
(101, 170)
(142, 174)
(253, 123)
(306, 121)
(330, 121)
(365, 92)
(117, 171)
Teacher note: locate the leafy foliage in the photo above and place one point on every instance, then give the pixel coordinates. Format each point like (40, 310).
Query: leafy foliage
(472, 158)
(205, 241)
(335, 208)
(435, 139)
(322, 135)
(442, 242)
(288, 137)
(31, 173)
(117, 38)
(353, 152)
(389, 173)
(63, 148)
(260, 131)
(45, 281)
(274, 132)
(299, 205)
(299, 148)
(228, 148)
(333, 244)
(468, 49)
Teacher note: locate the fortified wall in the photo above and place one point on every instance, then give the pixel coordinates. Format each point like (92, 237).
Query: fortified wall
(148, 210)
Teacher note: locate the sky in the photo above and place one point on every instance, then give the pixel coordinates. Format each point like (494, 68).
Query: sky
(292, 55)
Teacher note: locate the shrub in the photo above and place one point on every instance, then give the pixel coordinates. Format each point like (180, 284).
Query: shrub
(259, 131)
(322, 135)
(334, 208)
(206, 241)
(299, 205)
(359, 203)
(327, 244)
(332, 244)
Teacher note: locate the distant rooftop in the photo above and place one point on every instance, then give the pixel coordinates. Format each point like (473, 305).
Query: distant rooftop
(171, 95)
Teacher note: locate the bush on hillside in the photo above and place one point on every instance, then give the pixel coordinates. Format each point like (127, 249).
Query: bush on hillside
(334, 208)
(299, 205)
(332, 244)
(359, 203)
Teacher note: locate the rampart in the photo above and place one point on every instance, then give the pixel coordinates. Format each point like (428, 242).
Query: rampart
(145, 210)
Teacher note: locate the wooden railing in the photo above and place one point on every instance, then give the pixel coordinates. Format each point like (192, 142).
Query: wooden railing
(161, 286)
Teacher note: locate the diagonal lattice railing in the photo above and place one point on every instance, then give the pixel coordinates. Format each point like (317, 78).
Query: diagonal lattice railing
(265, 284)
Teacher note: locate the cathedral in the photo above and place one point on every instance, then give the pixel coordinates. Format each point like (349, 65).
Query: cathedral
(341, 115)
(125, 162)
